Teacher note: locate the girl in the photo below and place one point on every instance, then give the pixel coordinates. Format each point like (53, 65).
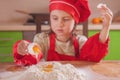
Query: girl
(61, 44)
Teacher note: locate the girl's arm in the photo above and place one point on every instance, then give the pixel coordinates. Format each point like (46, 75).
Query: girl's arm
(106, 19)
(96, 47)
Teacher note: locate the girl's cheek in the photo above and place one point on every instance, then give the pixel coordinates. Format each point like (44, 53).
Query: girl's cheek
(53, 22)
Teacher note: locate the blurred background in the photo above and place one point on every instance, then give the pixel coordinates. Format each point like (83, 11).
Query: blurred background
(10, 9)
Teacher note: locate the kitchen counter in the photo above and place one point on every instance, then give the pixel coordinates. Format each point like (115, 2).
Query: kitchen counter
(44, 27)
(104, 70)
(17, 27)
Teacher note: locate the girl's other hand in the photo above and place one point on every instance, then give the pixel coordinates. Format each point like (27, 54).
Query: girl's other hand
(22, 47)
(106, 13)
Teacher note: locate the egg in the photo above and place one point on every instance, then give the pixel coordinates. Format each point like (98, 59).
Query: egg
(34, 49)
(100, 5)
(48, 68)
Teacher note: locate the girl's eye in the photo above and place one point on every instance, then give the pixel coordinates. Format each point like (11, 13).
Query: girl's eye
(54, 18)
(66, 19)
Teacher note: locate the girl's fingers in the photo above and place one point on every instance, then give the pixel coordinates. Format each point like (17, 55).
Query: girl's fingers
(107, 10)
(104, 9)
(106, 19)
(106, 13)
(22, 47)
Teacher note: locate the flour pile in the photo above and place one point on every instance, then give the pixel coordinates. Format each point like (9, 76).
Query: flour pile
(54, 71)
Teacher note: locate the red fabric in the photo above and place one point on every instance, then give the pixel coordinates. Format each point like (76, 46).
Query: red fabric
(79, 9)
(26, 59)
(93, 50)
(54, 56)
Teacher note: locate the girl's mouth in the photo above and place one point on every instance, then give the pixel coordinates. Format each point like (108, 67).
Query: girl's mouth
(59, 30)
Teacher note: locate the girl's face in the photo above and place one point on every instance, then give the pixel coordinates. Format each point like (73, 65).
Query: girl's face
(62, 23)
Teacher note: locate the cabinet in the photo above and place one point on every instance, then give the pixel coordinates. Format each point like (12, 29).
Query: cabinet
(29, 35)
(114, 47)
(7, 39)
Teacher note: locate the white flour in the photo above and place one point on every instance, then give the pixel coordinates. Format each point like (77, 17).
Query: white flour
(58, 71)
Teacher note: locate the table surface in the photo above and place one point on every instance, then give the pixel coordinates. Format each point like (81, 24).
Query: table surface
(104, 70)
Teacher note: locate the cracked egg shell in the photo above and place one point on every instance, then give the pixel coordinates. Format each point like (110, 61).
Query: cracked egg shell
(34, 49)
(100, 5)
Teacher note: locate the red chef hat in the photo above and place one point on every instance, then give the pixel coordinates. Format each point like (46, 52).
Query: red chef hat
(79, 9)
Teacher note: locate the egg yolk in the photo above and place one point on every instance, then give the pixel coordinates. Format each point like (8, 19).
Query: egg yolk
(48, 68)
(36, 49)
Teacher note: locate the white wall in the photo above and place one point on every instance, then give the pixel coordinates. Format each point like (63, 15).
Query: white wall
(8, 14)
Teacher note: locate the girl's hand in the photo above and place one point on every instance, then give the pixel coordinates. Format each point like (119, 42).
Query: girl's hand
(107, 16)
(22, 47)
(106, 13)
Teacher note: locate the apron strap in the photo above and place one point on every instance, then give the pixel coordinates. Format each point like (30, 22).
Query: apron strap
(52, 41)
(76, 46)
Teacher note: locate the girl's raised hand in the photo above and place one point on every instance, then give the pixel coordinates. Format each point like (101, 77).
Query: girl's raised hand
(106, 13)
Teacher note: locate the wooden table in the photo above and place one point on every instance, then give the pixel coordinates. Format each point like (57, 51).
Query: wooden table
(105, 70)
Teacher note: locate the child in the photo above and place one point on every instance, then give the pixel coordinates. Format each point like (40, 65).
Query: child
(61, 44)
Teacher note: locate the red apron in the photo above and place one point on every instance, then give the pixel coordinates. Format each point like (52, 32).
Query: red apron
(54, 56)
(93, 50)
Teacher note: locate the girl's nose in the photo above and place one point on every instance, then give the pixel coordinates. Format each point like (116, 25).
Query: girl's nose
(60, 23)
